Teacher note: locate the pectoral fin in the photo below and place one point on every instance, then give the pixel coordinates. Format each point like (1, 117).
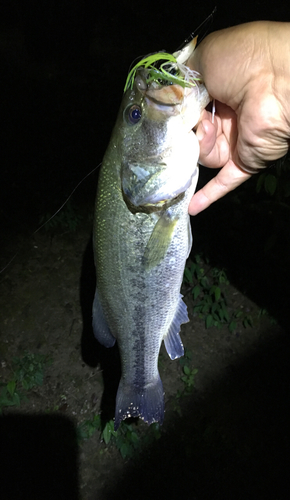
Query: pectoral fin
(159, 241)
(101, 330)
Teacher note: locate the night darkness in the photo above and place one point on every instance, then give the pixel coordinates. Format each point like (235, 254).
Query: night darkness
(63, 68)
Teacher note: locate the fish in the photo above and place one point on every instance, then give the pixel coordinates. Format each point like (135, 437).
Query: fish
(142, 235)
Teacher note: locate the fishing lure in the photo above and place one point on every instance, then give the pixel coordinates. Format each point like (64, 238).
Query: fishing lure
(163, 69)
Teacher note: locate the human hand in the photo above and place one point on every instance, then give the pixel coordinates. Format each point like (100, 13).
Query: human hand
(245, 68)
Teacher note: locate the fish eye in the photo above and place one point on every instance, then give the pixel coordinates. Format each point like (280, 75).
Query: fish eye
(132, 114)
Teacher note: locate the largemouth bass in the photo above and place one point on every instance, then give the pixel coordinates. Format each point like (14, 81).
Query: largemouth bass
(142, 234)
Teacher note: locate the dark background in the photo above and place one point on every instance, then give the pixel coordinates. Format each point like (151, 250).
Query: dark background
(63, 67)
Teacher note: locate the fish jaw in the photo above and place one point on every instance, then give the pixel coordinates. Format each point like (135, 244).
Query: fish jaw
(168, 115)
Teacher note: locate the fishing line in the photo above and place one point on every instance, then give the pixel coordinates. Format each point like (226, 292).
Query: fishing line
(69, 197)
(208, 19)
(59, 209)
(185, 42)
(213, 111)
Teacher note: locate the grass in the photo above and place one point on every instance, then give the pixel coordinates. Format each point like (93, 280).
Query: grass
(27, 372)
(208, 286)
(127, 439)
(130, 438)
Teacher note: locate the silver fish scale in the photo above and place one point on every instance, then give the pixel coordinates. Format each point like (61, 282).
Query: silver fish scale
(139, 273)
(139, 305)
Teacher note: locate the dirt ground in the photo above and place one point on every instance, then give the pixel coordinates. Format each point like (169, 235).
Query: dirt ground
(229, 438)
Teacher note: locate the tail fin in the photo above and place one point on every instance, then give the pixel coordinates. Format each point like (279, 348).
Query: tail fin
(146, 403)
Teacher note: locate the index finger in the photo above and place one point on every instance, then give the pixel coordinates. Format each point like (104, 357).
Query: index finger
(228, 178)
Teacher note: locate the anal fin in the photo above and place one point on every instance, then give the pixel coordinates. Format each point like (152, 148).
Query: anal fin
(172, 340)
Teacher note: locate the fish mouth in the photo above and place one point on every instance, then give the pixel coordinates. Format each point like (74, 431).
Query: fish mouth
(169, 95)
(163, 95)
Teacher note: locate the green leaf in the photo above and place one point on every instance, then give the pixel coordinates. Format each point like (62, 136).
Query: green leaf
(205, 309)
(262, 312)
(247, 321)
(188, 354)
(198, 258)
(25, 384)
(208, 321)
(226, 314)
(217, 293)
(196, 291)
(39, 378)
(204, 282)
(215, 307)
(186, 370)
(232, 326)
(193, 268)
(135, 439)
(97, 421)
(238, 314)
(16, 399)
(81, 432)
(223, 277)
(188, 276)
(155, 429)
(270, 184)
(260, 182)
(126, 450)
(106, 434)
(11, 387)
